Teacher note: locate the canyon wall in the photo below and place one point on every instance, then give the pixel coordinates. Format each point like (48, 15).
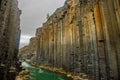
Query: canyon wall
(83, 36)
(9, 38)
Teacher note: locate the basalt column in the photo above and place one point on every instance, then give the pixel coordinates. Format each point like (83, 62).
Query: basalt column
(38, 47)
(45, 36)
(64, 46)
(43, 44)
(55, 43)
(101, 46)
(9, 38)
(59, 42)
(51, 41)
(106, 18)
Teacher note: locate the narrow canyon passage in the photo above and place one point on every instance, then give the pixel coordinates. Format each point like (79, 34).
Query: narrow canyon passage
(80, 40)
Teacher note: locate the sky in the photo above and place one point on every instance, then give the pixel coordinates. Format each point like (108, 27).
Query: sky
(34, 13)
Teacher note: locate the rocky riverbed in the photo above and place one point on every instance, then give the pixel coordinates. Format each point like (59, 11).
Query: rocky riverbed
(23, 75)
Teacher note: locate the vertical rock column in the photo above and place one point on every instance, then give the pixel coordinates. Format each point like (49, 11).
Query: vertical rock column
(100, 42)
(55, 42)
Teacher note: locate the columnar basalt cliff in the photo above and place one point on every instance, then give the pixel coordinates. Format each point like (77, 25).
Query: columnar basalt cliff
(9, 38)
(83, 36)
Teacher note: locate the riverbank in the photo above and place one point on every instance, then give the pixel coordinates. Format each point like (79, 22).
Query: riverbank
(23, 75)
(79, 76)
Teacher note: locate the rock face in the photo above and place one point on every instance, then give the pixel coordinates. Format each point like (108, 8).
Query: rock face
(83, 37)
(9, 38)
(23, 75)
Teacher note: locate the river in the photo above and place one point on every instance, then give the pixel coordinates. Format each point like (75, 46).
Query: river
(39, 74)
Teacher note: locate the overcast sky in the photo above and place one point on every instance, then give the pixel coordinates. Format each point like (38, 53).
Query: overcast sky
(34, 13)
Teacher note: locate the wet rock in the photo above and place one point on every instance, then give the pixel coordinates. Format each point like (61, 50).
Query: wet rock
(23, 75)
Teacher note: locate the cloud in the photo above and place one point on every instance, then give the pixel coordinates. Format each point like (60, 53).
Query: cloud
(24, 39)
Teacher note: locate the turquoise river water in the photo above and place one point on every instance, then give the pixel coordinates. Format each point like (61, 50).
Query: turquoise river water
(39, 74)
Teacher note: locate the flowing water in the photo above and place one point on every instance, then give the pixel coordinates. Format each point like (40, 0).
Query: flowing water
(39, 74)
